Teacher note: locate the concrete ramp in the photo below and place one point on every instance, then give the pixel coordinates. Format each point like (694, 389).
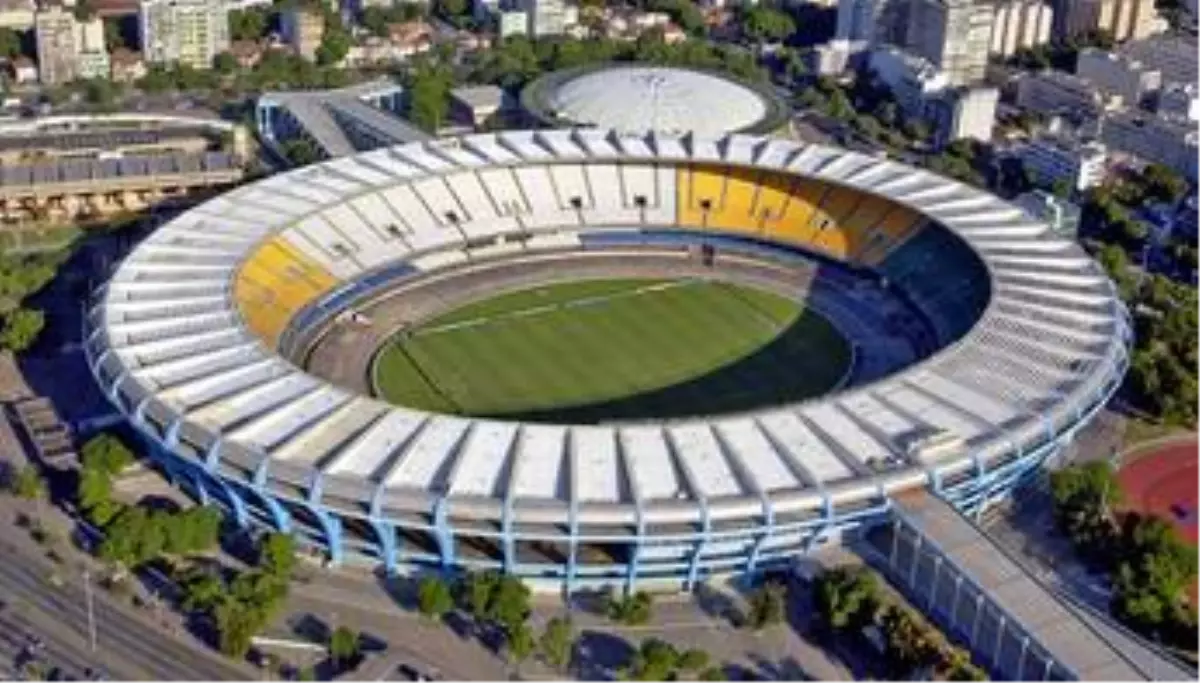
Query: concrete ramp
(1021, 628)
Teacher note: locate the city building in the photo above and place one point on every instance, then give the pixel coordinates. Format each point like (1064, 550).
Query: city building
(302, 27)
(912, 79)
(1122, 19)
(1054, 92)
(511, 23)
(954, 35)
(866, 23)
(1117, 74)
(1020, 24)
(964, 112)
(17, 14)
(549, 17)
(1153, 138)
(92, 59)
(1061, 214)
(54, 34)
(476, 105)
(24, 70)
(126, 66)
(190, 32)
(1173, 56)
(1179, 101)
(1051, 160)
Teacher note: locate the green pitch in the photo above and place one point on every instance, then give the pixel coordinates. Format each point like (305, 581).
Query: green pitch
(599, 350)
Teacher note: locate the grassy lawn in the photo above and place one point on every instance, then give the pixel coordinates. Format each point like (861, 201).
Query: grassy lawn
(607, 349)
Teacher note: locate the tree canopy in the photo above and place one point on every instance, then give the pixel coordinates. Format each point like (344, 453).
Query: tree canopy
(846, 598)
(22, 327)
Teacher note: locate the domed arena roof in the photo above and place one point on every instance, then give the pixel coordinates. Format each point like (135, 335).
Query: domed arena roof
(640, 99)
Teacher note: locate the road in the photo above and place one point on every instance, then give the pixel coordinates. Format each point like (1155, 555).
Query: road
(130, 645)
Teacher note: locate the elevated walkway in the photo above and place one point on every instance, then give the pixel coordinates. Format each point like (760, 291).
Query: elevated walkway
(1018, 626)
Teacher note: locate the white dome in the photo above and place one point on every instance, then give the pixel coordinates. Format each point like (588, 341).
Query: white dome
(642, 99)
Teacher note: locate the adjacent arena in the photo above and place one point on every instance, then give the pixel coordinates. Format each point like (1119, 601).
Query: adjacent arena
(239, 337)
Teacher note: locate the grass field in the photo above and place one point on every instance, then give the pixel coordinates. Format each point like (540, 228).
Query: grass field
(599, 350)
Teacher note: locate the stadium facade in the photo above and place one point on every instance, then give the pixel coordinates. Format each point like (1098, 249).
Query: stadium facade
(195, 334)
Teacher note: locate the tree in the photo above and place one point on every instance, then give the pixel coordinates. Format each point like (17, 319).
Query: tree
(114, 39)
(846, 598)
(429, 99)
(250, 23)
(654, 660)
(1083, 496)
(557, 643)
(509, 605)
(225, 62)
(519, 644)
(202, 592)
(344, 647)
(26, 483)
(106, 453)
(277, 554)
(693, 659)
(475, 594)
(21, 328)
(433, 597)
(1163, 184)
(910, 643)
(767, 24)
(236, 625)
(768, 605)
(84, 11)
(713, 673)
(334, 47)
(10, 43)
(632, 610)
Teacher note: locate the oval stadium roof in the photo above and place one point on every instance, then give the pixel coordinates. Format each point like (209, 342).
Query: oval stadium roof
(173, 345)
(641, 99)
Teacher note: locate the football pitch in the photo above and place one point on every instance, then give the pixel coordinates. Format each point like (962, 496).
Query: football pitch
(597, 350)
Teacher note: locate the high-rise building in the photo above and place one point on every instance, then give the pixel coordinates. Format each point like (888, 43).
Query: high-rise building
(92, 59)
(872, 22)
(963, 113)
(954, 35)
(1051, 160)
(54, 33)
(190, 32)
(1122, 19)
(303, 28)
(1020, 24)
(549, 17)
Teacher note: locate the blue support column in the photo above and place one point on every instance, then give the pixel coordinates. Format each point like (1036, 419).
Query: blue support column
(212, 458)
(331, 526)
(508, 544)
(573, 543)
(635, 555)
(171, 439)
(445, 538)
(112, 390)
(279, 515)
(139, 412)
(701, 544)
(234, 499)
(384, 532)
(768, 532)
(198, 485)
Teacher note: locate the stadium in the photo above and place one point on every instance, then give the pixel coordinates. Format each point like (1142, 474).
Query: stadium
(608, 358)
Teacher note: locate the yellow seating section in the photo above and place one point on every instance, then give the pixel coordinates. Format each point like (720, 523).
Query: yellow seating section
(276, 282)
(839, 221)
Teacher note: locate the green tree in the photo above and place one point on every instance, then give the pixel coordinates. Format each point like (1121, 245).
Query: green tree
(250, 23)
(846, 598)
(237, 624)
(767, 605)
(557, 643)
(713, 673)
(911, 645)
(1083, 498)
(84, 11)
(475, 594)
(21, 328)
(334, 47)
(510, 603)
(202, 591)
(519, 644)
(26, 483)
(434, 599)
(106, 453)
(760, 23)
(277, 554)
(654, 660)
(10, 43)
(632, 610)
(429, 99)
(344, 646)
(225, 62)
(1163, 184)
(693, 659)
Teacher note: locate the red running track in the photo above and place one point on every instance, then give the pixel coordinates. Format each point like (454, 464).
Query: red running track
(1163, 483)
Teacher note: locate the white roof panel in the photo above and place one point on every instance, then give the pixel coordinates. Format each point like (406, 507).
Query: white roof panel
(758, 457)
(429, 454)
(540, 469)
(652, 473)
(596, 464)
(482, 458)
(702, 457)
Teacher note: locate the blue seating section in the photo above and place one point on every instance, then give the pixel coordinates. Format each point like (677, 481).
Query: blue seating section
(943, 278)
